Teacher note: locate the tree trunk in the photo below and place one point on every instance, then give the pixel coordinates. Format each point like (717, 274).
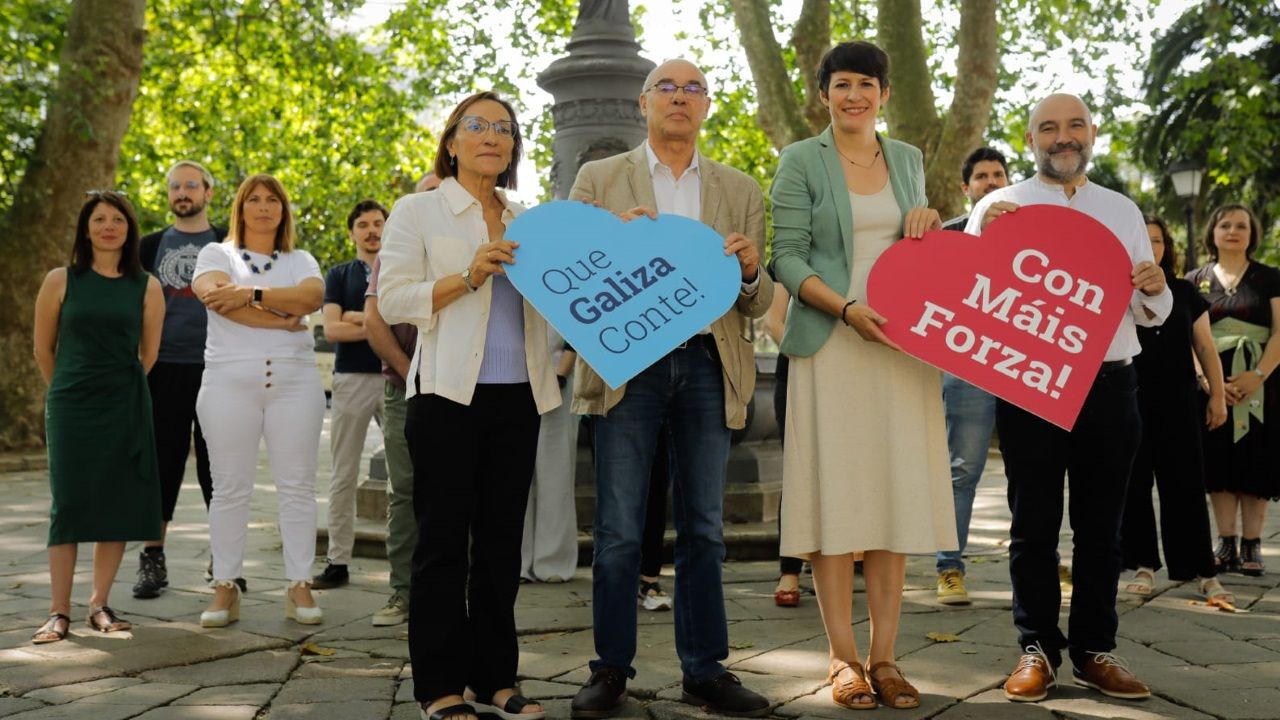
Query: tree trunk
(965, 125)
(811, 38)
(779, 110)
(945, 141)
(99, 68)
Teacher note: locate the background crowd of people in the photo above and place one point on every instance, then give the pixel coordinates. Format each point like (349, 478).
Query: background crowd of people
(479, 401)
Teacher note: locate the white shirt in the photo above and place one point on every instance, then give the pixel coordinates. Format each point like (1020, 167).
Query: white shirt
(1123, 218)
(683, 197)
(230, 341)
(430, 236)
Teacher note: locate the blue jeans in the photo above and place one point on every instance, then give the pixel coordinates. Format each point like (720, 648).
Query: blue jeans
(971, 415)
(686, 389)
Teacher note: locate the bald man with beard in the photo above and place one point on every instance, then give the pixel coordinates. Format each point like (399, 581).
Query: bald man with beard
(1095, 456)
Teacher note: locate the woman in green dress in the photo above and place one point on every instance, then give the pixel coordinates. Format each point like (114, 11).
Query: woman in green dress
(97, 331)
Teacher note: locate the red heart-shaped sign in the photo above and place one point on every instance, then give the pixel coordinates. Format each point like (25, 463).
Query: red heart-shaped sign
(1025, 312)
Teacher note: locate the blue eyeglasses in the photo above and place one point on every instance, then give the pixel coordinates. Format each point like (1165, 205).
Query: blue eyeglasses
(670, 88)
(476, 125)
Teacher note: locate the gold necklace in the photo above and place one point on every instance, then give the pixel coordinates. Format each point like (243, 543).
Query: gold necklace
(858, 164)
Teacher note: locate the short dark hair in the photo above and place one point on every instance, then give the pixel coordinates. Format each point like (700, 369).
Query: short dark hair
(363, 207)
(1168, 261)
(82, 247)
(1255, 233)
(982, 154)
(855, 56)
(447, 167)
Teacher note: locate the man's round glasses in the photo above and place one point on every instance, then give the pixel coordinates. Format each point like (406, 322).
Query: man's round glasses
(476, 125)
(670, 88)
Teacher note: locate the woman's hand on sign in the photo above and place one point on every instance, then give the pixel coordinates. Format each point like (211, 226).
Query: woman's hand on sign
(489, 259)
(636, 212)
(920, 221)
(866, 322)
(1148, 277)
(995, 210)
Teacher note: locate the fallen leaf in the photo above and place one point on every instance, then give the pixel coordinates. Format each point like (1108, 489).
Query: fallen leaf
(968, 652)
(741, 645)
(314, 649)
(942, 637)
(1220, 605)
(14, 586)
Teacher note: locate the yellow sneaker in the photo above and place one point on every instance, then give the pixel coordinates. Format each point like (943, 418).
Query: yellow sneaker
(951, 588)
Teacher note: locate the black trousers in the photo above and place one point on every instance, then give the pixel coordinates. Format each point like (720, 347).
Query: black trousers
(655, 511)
(786, 565)
(1172, 457)
(472, 468)
(1096, 457)
(174, 387)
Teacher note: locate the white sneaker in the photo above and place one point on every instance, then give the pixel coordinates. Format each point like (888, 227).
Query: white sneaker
(651, 597)
(394, 612)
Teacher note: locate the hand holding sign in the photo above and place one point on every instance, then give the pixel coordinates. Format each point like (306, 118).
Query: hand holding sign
(622, 294)
(1026, 311)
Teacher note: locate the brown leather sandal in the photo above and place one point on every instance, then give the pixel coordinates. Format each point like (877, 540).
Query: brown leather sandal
(845, 693)
(891, 688)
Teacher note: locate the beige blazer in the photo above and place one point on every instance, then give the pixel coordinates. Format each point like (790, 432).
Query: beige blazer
(731, 202)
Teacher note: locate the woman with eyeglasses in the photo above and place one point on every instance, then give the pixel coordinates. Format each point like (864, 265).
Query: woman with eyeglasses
(97, 333)
(260, 380)
(478, 381)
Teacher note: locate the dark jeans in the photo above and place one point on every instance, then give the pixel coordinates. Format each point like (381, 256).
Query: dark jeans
(686, 390)
(174, 387)
(1171, 456)
(655, 513)
(1096, 457)
(786, 565)
(473, 465)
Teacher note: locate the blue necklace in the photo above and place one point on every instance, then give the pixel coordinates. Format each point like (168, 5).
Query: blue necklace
(275, 255)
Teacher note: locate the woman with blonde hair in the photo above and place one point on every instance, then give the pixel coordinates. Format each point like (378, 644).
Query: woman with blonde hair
(260, 380)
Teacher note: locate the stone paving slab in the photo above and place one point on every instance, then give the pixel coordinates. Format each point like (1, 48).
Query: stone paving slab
(335, 690)
(255, 667)
(1214, 652)
(12, 706)
(335, 710)
(201, 712)
(256, 694)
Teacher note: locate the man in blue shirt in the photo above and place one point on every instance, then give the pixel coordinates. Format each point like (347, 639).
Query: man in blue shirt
(357, 383)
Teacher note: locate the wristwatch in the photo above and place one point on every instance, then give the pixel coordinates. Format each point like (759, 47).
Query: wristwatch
(466, 279)
(257, 296)
(1260, 373)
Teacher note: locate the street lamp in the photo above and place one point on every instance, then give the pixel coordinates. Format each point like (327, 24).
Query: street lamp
(1186, 175)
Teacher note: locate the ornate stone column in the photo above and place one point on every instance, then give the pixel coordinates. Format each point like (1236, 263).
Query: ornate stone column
(595, 87)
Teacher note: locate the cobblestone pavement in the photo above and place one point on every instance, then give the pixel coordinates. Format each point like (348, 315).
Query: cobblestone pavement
(1200, 663)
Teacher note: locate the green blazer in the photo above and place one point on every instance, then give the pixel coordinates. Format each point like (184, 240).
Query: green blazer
(813, 225)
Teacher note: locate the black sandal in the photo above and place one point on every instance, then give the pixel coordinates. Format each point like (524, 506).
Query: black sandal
(113, 623)
(1251, 557)
(512, 709)
(1226, 559)
(460, 710)
(49, 631)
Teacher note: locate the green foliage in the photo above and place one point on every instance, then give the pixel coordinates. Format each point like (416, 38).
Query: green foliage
(30, 38)
(1211, 85)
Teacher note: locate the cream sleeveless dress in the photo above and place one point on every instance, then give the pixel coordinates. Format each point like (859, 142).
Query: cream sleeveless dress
(865, 463)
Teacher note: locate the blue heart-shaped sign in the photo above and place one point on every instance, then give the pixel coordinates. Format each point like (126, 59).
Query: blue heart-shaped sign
(622, 294)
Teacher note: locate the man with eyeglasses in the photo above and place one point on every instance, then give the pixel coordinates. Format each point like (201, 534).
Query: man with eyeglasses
(699, 391)
(170, 255)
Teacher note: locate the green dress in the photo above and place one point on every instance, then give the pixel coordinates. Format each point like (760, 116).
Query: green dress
(102, 453)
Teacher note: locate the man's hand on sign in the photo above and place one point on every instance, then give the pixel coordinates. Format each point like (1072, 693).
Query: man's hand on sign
(995, 210)
(636, 212)
(920, 221)
(748, 257)
(866, 322)
(1148, 277)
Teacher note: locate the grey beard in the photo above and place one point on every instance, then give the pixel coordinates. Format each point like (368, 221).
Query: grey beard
(1044, 164)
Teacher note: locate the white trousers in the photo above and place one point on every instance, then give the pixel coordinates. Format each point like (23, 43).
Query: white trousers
(239, 404)
(550, 547)
(357, 399)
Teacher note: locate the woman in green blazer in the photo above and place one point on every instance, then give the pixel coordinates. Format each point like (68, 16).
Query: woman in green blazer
(865, 467)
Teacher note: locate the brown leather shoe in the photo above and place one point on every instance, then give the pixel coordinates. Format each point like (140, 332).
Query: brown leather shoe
(1032, 678)
(1109, 675)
